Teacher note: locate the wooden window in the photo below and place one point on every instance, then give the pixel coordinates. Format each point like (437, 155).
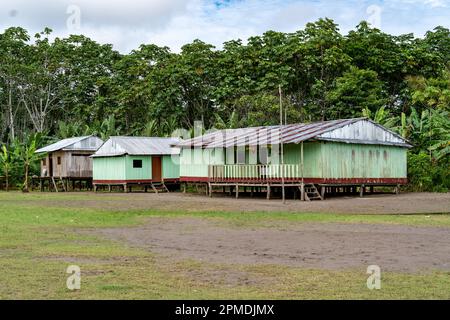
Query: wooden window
(137, 163)
(240, 155)
(263, 155)
(59, 161)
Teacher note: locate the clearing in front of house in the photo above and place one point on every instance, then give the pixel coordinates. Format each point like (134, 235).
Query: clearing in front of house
(128, 251)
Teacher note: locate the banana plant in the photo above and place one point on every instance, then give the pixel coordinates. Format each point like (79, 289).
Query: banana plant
(7, 162)
(26, 152)
(381, 116)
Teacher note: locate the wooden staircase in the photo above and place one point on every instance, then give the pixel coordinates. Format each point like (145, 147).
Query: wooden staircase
(159, 187)
(312, 193)
(59, 184)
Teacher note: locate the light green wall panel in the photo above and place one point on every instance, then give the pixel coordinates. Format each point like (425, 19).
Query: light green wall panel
(143, 173)
(312, 163)
(195, 162)
(341, 160)
(110, 168)
(171, 167)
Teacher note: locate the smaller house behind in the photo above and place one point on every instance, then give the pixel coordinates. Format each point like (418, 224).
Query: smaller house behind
(69, 158)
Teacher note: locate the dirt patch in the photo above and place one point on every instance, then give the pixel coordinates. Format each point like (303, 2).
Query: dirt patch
(371, 204)
(332, 246)
(85, 260)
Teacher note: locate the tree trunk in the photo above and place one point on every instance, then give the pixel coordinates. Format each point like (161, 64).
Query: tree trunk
(11, 116)
(25, 187)
(6, 181)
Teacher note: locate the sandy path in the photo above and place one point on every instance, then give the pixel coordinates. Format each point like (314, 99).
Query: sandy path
(372, 204)
(307, 245)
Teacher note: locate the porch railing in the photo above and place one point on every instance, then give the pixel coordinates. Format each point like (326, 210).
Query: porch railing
(258, 173)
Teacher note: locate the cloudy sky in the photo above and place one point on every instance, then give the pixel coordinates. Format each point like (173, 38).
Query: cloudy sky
(128, 23)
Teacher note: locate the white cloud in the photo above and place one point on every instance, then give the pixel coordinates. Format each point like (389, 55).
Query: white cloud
(129, 23)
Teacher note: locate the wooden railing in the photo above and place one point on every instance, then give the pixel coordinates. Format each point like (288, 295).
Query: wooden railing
(253, 173)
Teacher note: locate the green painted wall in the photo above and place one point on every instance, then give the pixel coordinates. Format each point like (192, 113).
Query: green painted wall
(340, 160)
(194, 162)
(121, 168)
(144, 173)
(171, 167)
(111, 168)
(312, 160)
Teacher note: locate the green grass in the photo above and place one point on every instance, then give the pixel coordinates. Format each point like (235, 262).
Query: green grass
(38, 243)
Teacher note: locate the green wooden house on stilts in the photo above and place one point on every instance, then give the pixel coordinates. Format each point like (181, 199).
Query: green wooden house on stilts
(145, 162)
(341, 156)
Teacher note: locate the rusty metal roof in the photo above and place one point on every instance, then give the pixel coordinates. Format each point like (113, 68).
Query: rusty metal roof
(358, 130)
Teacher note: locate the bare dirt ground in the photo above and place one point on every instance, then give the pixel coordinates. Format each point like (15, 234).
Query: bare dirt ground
(371, 204)
(332, 246)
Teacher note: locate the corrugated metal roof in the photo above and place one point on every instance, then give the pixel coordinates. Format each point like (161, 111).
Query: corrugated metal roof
(75, 143)
(117, 146)
(365, 132)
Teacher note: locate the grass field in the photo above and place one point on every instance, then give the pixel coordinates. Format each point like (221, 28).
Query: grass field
(38, 242)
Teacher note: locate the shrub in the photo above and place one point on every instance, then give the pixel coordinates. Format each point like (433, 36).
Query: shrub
(426, 175)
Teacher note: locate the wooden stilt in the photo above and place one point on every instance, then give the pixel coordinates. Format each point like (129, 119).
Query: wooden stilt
(237, 191)
(302, 192)
(361, 190)
(268, 192)
(322, 192)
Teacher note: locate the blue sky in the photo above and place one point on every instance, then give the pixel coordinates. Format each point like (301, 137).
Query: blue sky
(128, 23)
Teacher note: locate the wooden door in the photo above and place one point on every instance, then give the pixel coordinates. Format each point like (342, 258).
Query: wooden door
(50, 165)
(156, 169)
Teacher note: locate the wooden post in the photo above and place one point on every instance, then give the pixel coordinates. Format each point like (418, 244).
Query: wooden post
(210, 189)
(361, 190)
(302, 192)
(237, 191)
(322, 192)
(397, 189)
(184, 187)
(268, 191)
(282, 146)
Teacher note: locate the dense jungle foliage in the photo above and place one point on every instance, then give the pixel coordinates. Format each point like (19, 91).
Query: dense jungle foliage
(53, 89)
